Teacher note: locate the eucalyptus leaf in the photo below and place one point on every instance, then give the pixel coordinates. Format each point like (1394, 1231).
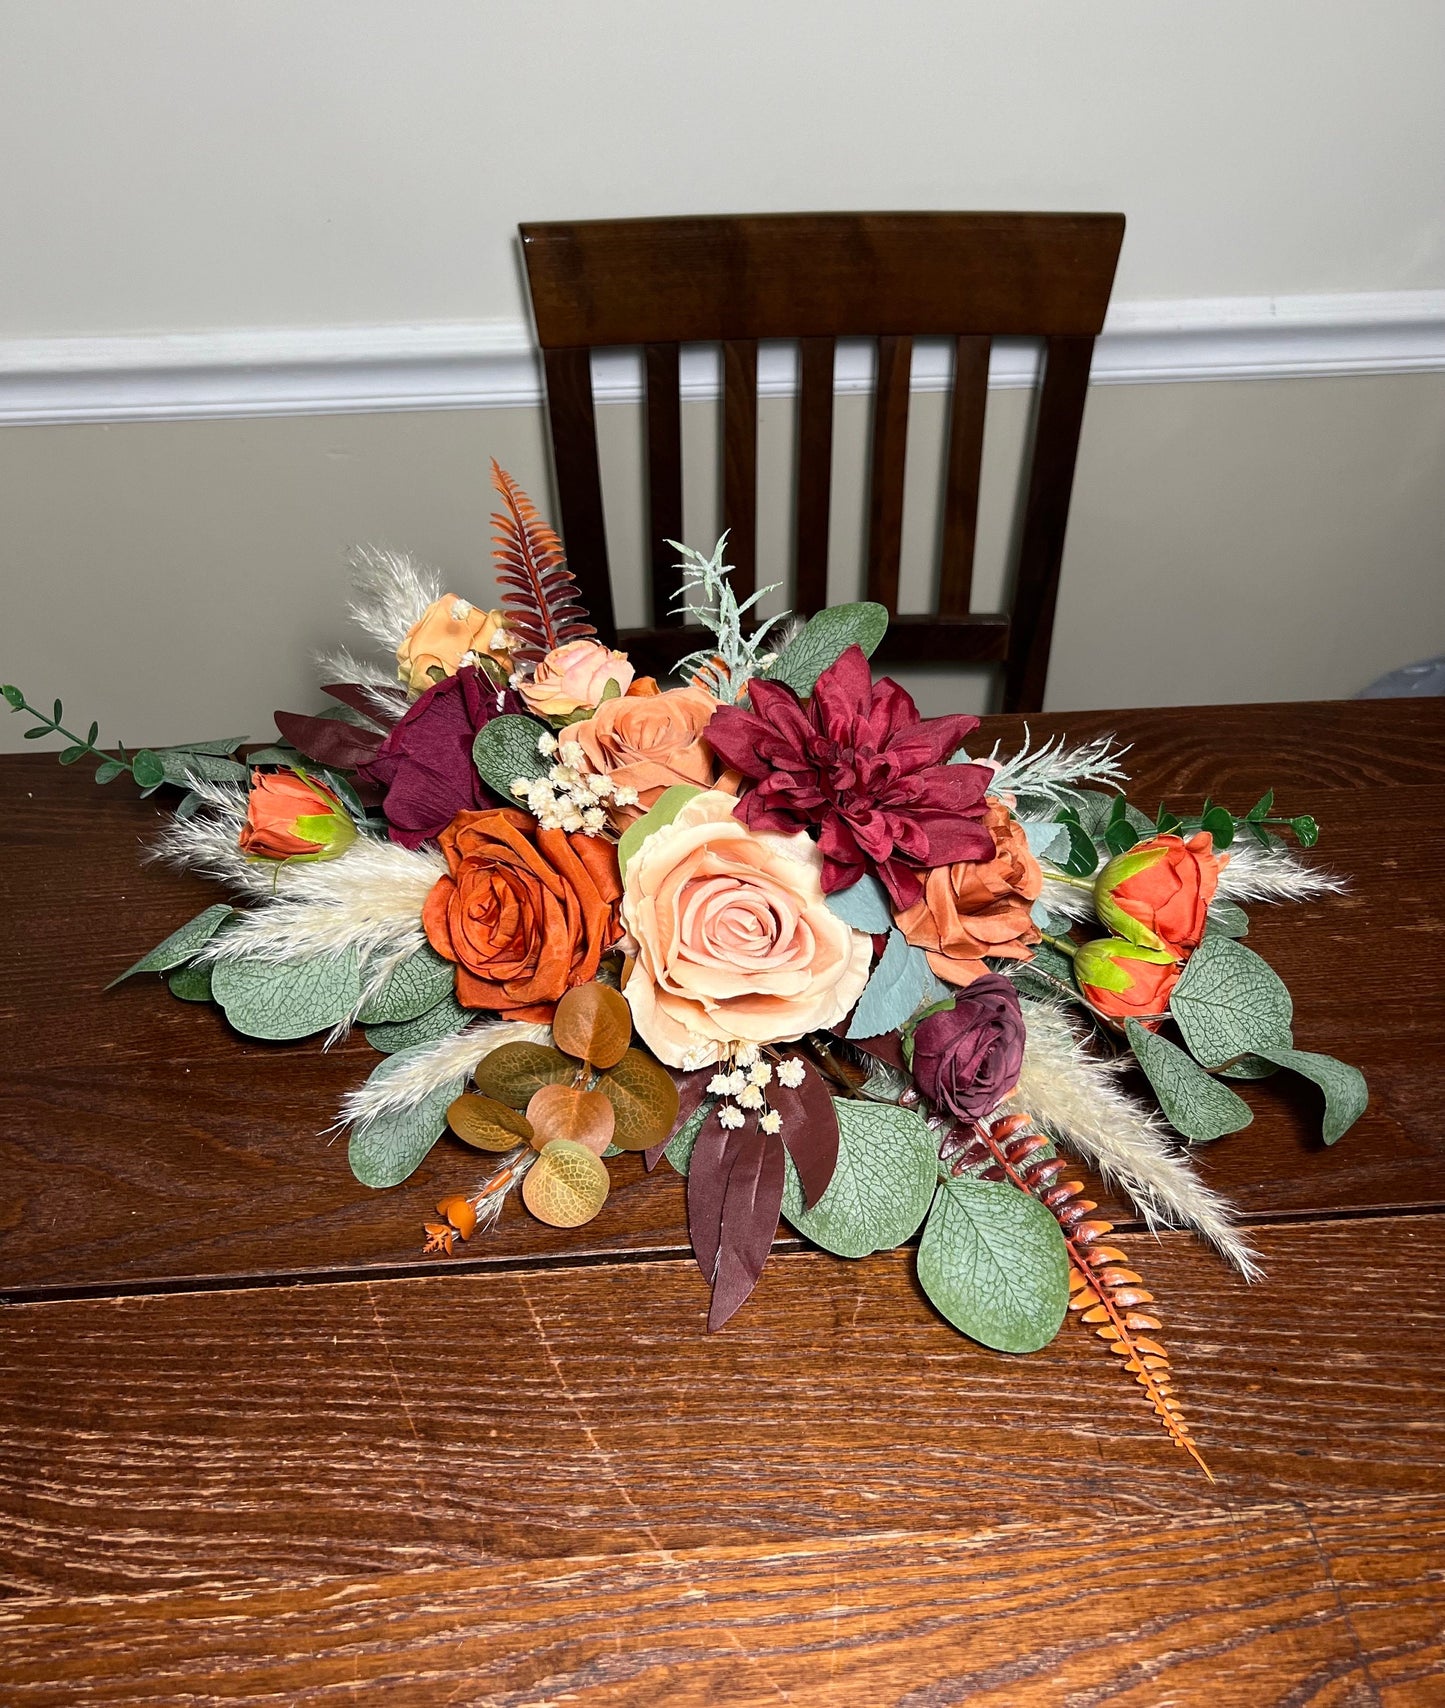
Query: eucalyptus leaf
(69, 755)
(505, 749)
(385, 1152)
(148, 769)
(1230, 1003)
(901, 981)
(277, 755)
(994, 1262)
(1346, 1094)
(662, 812)
(109, 771)
(1226, 919)
(1049, 974)
(1194, 1104)
(823, 641)
(223, 747)
(413, 987)
(863, 905)
(1047, 841)
(881, 1187)
(679, 1146)
(179, 765)
(181, 945)
(440, 1022)
(287, 999)
(1247, 1067)
(191, 984)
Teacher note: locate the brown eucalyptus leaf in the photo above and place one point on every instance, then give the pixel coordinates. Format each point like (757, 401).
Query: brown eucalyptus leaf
(563, 1112)
(513, 1072)
(566, 1186)
(644, 1098)
(487, 1124)
(594, 1024)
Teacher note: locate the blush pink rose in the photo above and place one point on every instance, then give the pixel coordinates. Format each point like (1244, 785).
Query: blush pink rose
(574, 677)
(735, 943)
(650, 743)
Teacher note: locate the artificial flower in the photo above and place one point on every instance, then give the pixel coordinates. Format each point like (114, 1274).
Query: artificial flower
(525, 913)
(860, 766)
(966, 1058)
(425, 764)
(975, 908)
(1158, 892)
(288, 817)
(574, 678)
(649, 744)
(1126, 980)
(446, 632)
(735, 942)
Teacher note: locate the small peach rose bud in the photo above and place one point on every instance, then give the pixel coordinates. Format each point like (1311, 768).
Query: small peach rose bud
(1124, 980)
(288, 817)
(1157, 894)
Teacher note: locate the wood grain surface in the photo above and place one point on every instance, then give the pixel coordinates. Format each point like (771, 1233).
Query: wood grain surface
(531, 1479)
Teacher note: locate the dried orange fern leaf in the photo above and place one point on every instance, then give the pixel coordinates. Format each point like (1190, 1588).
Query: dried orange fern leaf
(539, 593)
(1104, 1291)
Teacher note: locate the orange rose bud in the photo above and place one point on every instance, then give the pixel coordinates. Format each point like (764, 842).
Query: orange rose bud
(1126, 980)
(288, 817)
(1157, 894)
(978, 907)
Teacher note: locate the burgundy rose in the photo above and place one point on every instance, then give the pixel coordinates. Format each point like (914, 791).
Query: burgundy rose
(966, 1059)
(425, 765)
(860, 766)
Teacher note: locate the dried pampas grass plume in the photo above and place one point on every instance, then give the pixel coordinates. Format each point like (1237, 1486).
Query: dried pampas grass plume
(390, 591)
(426, 1069)
(1274, 874)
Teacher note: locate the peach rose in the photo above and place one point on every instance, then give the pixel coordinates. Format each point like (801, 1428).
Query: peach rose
(574, 677)
(441, 638)
(650, 744)
(978, 908)
(288, 817)
(735, 943)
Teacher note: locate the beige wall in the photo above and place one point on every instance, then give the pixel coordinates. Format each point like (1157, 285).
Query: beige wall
(1228, 542)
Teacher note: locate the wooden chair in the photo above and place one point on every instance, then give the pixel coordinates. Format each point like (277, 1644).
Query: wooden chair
(659, 283)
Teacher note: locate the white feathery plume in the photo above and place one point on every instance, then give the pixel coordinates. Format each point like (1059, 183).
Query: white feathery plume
(390, 593)
(1274, 874)
(368, 899)
(206, 843)
(383, 689)
(427, 1070)
(1074, 1097)
(1053, 774)
(1065, 899)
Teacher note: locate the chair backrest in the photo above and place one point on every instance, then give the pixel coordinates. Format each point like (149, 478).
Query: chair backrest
(815, 278)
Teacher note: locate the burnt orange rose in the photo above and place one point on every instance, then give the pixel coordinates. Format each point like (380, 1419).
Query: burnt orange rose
(1158, 893)
(1126, 980)
(525, 913)
(978, 907)
(649, 743)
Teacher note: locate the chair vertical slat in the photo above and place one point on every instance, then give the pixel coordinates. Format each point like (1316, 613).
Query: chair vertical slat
(890, 450)
(740, 460)
(815, 474)
(1051, 481)
(579, 480)
(965, 459)
(664, 478)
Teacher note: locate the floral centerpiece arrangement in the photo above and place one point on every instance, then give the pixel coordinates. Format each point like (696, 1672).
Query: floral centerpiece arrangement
(768, 924)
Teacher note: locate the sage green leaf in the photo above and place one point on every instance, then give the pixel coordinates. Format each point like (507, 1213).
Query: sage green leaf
(179, 765)
(180, 946)
(191, 984)
(994, 1262)
(109, 771)
(1229, 1003)
(1225, 919)
(413, 987)
(394, 1146)
(1248, 1067)
(863, 905)
(275, 756)
(73, 753)
(287, 999)
(440, 1022)
(222, 748)
(1194, 1104)
(662, 812)
(679, 1146)
(505, 749)
(823, 641)
(1346, 1094)
(147, 769)
(901, 981)
(881, 1187)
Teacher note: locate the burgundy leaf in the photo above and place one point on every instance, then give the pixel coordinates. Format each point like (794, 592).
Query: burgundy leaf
(887, 1048)
(753, 1198)
(364, 700)
(329, 741)
(707, 1180)
(810, 1130)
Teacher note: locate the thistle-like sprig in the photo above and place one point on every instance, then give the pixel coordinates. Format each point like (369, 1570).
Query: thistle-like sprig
(706, 596)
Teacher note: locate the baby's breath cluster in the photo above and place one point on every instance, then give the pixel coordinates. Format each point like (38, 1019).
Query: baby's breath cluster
(570, 797)
(742, 1082)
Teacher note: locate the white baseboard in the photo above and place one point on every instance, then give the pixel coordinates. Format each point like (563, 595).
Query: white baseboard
(493, 364)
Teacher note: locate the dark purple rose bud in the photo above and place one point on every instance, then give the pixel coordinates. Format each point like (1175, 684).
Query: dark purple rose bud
(966, 1059)
(425, 764)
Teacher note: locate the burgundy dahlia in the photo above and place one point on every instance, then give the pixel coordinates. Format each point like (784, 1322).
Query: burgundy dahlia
(425, 765)
(860, 766)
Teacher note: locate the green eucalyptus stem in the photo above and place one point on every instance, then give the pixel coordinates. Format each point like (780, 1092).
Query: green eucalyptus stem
(53, 726)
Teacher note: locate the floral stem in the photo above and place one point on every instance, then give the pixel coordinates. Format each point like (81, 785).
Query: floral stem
(1059, 877)
(1062, 944)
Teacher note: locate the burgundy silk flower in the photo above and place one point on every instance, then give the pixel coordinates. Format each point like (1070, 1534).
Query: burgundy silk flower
(425, 765)
(860, 766)
(967, 1058)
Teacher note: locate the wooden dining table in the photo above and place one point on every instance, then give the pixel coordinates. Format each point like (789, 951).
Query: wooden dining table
(256, 1448)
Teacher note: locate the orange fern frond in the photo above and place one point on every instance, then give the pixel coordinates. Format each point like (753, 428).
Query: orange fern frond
(1108, 1294)
(540, 596)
